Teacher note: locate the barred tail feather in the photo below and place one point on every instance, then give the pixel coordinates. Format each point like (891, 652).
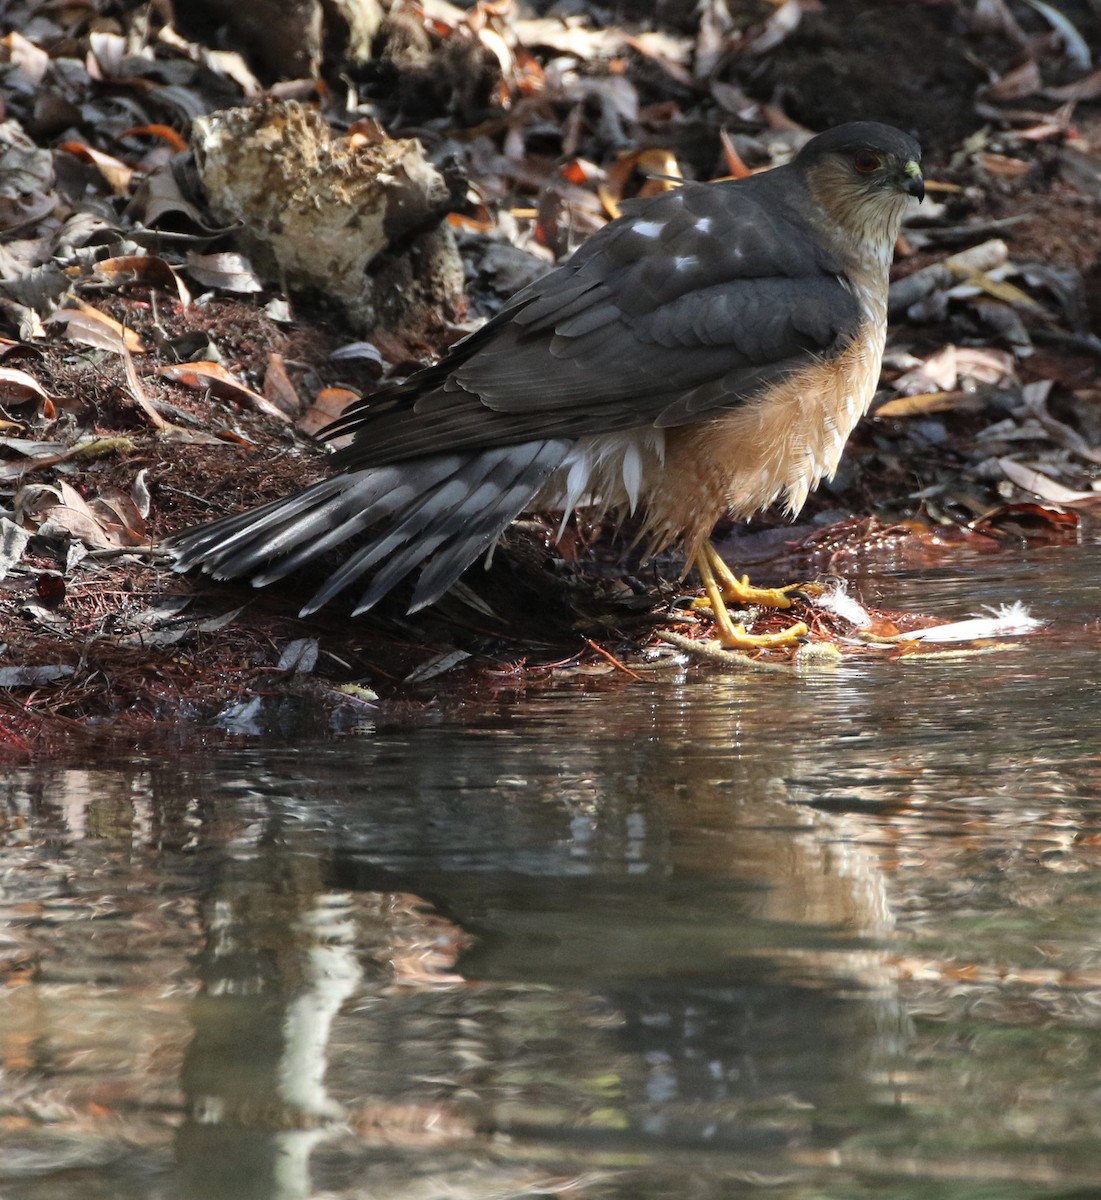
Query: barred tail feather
(438, 513)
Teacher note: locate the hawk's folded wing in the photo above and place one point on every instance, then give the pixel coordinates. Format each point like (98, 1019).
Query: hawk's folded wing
(712, 293)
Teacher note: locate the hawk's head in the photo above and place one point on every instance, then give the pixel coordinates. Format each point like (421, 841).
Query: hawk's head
(862, 176)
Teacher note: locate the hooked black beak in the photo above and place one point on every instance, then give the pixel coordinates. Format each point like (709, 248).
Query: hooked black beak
(915, 181)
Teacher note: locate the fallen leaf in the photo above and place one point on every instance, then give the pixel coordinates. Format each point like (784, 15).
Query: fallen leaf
(985, 365)
(938, 373)
(228, 271)
(29, 62)
(1003, 166)
(998, 288)
(79, 523)
(149, 270)
(213, 377)
(164, 132)
(1029, 523)
(362, 353)
(328, 404)
(659, 165)
(120, 515)
(25, 211)
(17, 387)
(13, 541)
(781, 25)
(1025, 80)
(90, 327)
(1088, 88)
(278, 387)
(735, 164)
(50, 588)
(1075, 46)
(137, 391)
(928, 402)
(159, 195)
(139, 494)
(1031, 480)
(299, 657)
(115, 172)
(32, 676)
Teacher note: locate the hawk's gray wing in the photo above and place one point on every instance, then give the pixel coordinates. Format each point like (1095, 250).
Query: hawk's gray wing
(694, 301)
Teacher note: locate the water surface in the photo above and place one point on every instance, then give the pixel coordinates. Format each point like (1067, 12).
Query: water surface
(702, 936)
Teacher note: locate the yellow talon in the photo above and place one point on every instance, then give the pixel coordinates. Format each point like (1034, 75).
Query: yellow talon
(721, 585)
(739, 639)
(741, 591)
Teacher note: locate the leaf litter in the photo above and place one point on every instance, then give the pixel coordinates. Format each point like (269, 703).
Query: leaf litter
(175, 329)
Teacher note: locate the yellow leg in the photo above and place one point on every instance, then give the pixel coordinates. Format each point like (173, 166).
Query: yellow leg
(741, 591)
(723, 585)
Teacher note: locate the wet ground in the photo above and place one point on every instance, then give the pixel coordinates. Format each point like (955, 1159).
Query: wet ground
(702, 936)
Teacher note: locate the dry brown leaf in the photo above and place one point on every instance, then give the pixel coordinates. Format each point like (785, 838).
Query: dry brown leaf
(993, 16)
(781, 25)
(17, 387)
(569, 37)
(164, 132)
(229, 271)
(1030, 522)
(528, 75)
(1031, 480)
(119, 516)
(159, 195)
(213, 377)
(1088, 88)
(29, 62)
(938, 373)
(328, 404)
(985, 364)
(735, 164)
(25, 211)
(659, 164)
(278, 387)
(1025, 80)
(1044, 131)
(137, 391)
(76, 517)
(90, 327)
(666, 52)
(149, 270)
(1003, 166)
(115, 172)
(928, 402)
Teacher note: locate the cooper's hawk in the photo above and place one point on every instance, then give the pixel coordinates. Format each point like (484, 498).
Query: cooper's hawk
(710, 350)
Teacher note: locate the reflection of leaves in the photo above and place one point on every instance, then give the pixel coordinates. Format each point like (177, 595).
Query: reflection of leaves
(299, 657)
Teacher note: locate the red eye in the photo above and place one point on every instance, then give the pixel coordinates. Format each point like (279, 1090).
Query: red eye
(866, 161)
